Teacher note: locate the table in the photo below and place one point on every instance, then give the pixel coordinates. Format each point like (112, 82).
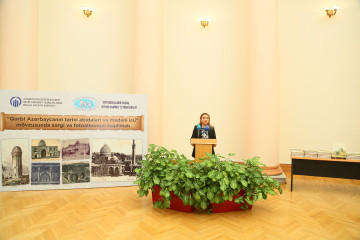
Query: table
(325, 167)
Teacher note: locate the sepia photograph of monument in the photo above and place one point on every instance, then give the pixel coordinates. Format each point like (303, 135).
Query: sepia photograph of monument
(15, 162)
(45, 173)
(75, 172)
(75, 149)
(45, 150)
(115, 159)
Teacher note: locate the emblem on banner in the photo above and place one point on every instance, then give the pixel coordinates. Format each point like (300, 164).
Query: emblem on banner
(85, 103)
(15, 101)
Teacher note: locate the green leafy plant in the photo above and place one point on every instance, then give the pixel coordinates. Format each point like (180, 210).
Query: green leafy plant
(200, 184)
(161, 167)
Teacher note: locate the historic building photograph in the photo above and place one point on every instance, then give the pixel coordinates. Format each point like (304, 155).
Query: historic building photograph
(115, 159)
(75, 172)
(45, 149)
(15, 162)
(75, 149)
(45, 173)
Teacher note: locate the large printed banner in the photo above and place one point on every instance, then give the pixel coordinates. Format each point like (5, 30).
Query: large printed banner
(63, 140)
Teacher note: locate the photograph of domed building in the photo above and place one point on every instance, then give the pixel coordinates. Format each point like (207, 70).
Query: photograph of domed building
(45, 150)
(75, 149)
(116, 159)
(15, 162)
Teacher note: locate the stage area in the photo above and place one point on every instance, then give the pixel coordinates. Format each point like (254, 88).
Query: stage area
(318, 208)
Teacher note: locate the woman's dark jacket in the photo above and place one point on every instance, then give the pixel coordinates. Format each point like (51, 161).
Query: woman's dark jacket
(197, 134)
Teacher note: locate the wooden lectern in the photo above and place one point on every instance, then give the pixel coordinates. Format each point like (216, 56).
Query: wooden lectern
(202, 146)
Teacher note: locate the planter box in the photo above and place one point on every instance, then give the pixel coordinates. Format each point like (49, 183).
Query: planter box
(175, 202)
(230, 206)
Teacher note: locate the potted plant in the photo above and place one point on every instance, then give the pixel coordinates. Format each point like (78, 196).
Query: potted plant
(214, 185)
(230, 186)
(161, 172)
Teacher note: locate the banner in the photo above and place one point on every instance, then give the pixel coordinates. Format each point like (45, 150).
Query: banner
(63, 140)
(57, 122)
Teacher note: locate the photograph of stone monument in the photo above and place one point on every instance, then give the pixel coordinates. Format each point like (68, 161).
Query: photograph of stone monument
(115, 159)
(45, 173)
(75, 172)
(15, 162)
(75, 149)
(45, 150)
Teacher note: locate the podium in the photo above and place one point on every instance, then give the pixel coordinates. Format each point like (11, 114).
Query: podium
(202, 146)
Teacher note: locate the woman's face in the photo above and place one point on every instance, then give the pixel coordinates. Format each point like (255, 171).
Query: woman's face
(205, 119)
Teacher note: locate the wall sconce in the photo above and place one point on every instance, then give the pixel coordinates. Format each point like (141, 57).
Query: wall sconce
(204, 21)
(331, 11)
(87, 11)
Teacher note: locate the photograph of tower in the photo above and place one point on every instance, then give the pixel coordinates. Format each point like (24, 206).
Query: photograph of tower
(45, 150)
(45, 173)
(115, 159)
(75, 172)
(15, 162)
(75, 149)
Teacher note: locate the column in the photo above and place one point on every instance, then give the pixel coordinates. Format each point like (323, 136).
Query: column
(263, 97)
(148, 66)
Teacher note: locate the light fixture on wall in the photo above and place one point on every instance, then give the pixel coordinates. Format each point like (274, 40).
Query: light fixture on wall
(204, 21)
(87, 11)
(331, 11)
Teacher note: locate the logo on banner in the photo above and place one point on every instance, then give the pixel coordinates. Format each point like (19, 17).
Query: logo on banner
(15, 101)
(85, 103)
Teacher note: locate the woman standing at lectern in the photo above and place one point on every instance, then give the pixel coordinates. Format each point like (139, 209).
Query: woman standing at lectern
(204, 130)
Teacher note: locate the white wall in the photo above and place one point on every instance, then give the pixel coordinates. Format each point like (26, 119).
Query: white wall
(93, 54)
(18, 44)
(205, 71)
(320, 75)
(51, 45)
